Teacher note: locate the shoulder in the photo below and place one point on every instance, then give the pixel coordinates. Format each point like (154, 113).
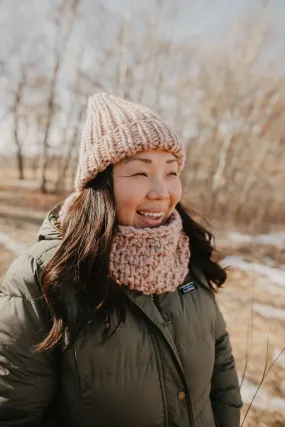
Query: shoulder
(43, 251)
(22, 278)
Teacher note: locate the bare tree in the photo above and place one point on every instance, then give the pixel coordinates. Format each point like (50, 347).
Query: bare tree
(16, 112)
(61, 42)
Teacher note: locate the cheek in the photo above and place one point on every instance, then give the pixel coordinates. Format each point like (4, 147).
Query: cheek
(175, 191)
(126, 198)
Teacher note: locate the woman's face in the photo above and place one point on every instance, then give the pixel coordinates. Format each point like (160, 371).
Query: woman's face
(147, 188)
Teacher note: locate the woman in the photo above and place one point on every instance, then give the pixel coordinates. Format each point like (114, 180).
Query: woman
(110, 318)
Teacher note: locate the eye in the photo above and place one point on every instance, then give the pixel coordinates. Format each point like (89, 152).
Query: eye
(173, 173)
(140, 174)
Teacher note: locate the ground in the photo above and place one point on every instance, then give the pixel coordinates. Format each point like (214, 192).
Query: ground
(252, 303)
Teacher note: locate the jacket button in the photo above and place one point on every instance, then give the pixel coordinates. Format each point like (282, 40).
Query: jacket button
(181, 395)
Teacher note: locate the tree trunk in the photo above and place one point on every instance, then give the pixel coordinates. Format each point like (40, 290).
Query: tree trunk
(19, 154)
(20, 165)
(43, 167)
(60, 184)
(17, 104)
(59, 54)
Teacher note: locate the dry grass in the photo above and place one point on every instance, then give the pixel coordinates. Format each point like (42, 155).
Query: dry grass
(236, 303)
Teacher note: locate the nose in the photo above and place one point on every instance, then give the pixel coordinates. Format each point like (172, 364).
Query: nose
(158, 191)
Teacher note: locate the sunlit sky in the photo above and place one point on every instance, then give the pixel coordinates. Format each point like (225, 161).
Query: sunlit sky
(206, 19)
(213, 18)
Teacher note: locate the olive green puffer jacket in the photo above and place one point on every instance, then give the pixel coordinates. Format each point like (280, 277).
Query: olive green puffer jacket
(171, 364)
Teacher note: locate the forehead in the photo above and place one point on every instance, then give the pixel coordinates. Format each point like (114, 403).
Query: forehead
(150, 157)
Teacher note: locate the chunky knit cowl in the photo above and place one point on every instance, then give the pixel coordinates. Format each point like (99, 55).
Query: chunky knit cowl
(151, 260)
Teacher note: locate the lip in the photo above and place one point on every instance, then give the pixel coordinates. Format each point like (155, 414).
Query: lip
(151, 221)
(152, 210)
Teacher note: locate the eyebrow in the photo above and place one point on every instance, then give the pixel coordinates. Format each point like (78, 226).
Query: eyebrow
(149, 161)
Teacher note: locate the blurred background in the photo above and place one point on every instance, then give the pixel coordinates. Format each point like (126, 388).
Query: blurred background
(215, 70)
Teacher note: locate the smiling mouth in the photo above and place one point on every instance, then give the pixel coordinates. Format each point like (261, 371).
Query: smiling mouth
(151, 215)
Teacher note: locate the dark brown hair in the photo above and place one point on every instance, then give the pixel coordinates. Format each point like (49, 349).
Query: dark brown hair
(82, 259)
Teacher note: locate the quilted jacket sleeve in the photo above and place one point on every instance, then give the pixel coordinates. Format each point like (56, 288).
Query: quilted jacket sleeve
(28, 379)
(225, 392)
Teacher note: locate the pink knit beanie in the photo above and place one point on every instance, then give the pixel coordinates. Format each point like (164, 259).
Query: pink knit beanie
(115, 129)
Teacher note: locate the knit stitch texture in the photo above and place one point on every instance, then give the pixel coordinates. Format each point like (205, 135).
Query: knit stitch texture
(151, 260)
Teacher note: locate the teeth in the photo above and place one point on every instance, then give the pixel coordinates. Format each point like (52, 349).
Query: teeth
(152, 214)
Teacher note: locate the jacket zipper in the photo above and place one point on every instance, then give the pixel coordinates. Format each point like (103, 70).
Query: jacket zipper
(160, 372)
(188, 397)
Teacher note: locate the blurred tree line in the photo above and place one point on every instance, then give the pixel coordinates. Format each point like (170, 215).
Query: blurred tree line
(225, 101)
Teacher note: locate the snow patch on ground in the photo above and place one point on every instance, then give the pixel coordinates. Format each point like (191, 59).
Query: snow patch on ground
(12, 245)
(274, 239)
(269, 312)
(281, 359)
(276, 274)
(266, 311)
(276, 284)
(262, 400)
